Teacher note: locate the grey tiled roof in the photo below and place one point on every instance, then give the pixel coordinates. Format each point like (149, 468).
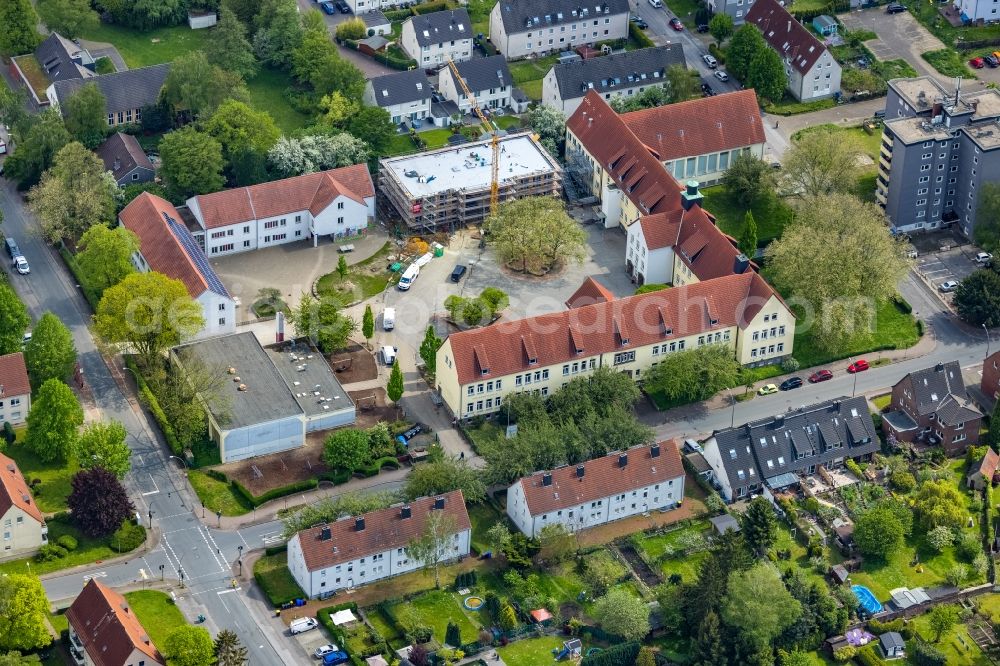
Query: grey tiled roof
(122, 154)
(833, 429)
(955, 410)
(484, 73)
(401, 87)
(438, 27)
(931, 386)
(618, 71)
(61, 59)
(131, 89)
(374, 18)
(516, 14)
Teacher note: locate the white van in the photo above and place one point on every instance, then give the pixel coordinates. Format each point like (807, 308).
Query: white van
(408, 277)
(302, 624)
(388, 319)
(388, 354)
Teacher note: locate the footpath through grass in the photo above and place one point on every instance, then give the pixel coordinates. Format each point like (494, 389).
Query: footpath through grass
(157, 612)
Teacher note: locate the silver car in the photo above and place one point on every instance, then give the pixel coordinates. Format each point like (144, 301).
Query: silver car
(324, 650)
(947, 287)
(21, 264)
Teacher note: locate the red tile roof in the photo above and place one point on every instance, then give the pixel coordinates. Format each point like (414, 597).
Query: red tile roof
(505, 347)
(161, 249)
(785, 34)
(384, 530)
(602, 477)
(13, 375)
(108, 628)
(311, 191)
(699, 126)
(989, 464)
(14, 490)
(590, 292)
(660, 231)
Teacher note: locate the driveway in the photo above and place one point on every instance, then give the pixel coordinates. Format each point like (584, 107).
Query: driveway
(369, 67)
(899, 36)
(104, 50)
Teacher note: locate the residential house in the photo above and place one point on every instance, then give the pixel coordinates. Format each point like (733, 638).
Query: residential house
(978, 11)
(377, 23)
(358, 550)
(892, 645)
(737, 9)
(435, 38)
(104, 631)
(813, 72)
(619, 74)
(270, 399)
(166, 246)
(522, 29)
(488, 79)
(15, 389)
(773, 453)
(979, 476)
(477, 369)
(126, 160)
(931, 405)
(338, 203)
(24, 528)
(62, 59)
(125, 93)
(406, 96)
(599, 491)
(990, 383)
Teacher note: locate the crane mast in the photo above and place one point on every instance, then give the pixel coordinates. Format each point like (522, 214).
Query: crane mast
(494, 139)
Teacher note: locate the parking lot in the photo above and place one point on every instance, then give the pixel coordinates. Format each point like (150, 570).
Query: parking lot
(310, 640)
(940, 266)
(899, 36)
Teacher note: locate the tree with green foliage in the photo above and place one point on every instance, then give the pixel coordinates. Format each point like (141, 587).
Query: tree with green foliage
(535, 234)
(70, 18)
(443, 476)
(748, 239)
(14, 320)
(994, 433)
(693, 374)
(429, 348)
(374, 127)
(721, 27)
(346, 449)
(646, 657)
(368, 323)
(942, 618)
(940, 538)
(767, 75)
(749, 179)
(499, 538)
(394, 389)
(247, 11)
(557, 543)
(508, 618)
(37, 149)
(294, 156)
(622, 614)
(20, 33)
(23, 610)
(53, 421)
(878, 532)
(99, 503)
(550, 126)
(87, 114)
(191, 163)
(104, 255)
(822, 161)
(707, 649)
(278, 31)
(323, 322)
(758, 603)
(331, 509)
(433, 546)
(939, 503)
(13, 109)
(238, 127)
(759, 525)
(229, 47)
(102, 444)
(73, 195)
(987, 230)
(746, 43)
(229, 651)
(50, 354)
(342, 267)
(188, 645)
(195, 87)
(353, 28)
(453, 635)
(977, 299)
(147, 313)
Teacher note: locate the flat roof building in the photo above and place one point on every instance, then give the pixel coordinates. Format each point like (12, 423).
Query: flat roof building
(270, 399)
(450, 187)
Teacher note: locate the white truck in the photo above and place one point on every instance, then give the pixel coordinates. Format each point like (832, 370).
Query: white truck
(388, 319)
(408, 277)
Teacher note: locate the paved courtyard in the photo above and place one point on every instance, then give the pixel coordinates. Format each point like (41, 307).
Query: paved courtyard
(899, 36)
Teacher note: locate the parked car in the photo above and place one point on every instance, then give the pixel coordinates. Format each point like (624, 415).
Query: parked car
(328, 8)
(324, 650)
(767, 389)
(656, 3)
(459, 271)
(639, 21)
(977, 63)
(26, 339)
(710, 60)
(21, 265)
(334, 658)
(676, 24)
(791, 383)
(984, 258)
(302, 624)
(388, 354)
(706, 90)
(894, 8)
(11, 246)
(991, 60)
(722, 76)
(343, 7)
(702, 27)
(820, 376)
(948, 287)
(858, 366)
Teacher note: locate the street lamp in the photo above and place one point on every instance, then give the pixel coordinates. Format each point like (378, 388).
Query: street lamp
(150, 519)
(854, 390)
(732, 420)
(218, 514)
(239, 559)
(987, 332)
(161, 573)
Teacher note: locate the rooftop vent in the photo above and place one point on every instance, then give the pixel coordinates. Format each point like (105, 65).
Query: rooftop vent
(547, 479)
(324, 534)
(438, 502)
(405, 512)
(359, 524)
(622, 459)
(580, 471)
(654, 451)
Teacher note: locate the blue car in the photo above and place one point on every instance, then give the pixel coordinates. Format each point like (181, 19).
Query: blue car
(334, 658)
(328, 7)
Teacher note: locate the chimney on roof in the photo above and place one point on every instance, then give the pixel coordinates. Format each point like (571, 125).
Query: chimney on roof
(547, 479)
(939, 367)
(324, 534)
(359, 524)
(789, 25)
(622, 459)
(691, 196)
(438, 502)
(405, 512)
(654, 451)
(117, 165)
(779, 420)
(580, 470)
(741, 263)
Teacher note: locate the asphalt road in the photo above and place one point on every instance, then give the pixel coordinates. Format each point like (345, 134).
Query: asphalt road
(206, 557)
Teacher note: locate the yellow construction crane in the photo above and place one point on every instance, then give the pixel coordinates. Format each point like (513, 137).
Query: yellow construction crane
(494, 139)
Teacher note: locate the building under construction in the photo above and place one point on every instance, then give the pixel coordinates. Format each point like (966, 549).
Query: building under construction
(448, 188)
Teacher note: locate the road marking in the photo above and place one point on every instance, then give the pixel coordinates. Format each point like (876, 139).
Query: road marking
(272, 539)
(229, 589)
(143, 574)
(156, 488)
(213, 548)
(99, 574)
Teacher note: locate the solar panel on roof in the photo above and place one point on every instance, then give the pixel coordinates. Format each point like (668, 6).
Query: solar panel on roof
(194, 251)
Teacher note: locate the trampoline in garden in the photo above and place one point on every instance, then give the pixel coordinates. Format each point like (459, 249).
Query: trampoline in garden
(866, 599)
(473, 603)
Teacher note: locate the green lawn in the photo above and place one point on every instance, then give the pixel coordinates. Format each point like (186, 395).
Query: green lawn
(267, 92)
(59, 621)
(364, 279)
(686, 9)
(654, 547)
(882, 401)
(275, 580)
(157, 612)
(947, 62)
(958, 651)
(435, 609)
(899, 570)
(105, 66)
(217, 495)
(530, 70)
(771, 213)
(483, 517)
(532, 89)
(512, 123)
(869, 143)
(87, 551)
(142, 49)
(56, 477)
(531, 651)
(382, 625)
(487, 432)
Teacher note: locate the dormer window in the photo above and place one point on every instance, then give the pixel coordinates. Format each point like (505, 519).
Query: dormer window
(532, 361)
(485, 371)
(713, 322)
(624, 342)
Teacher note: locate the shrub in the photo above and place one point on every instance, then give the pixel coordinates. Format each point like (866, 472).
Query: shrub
(940, 538)
(867, 656)
(153, 405)
(274, 493)
(845, 653)
(8, 432)
(718, 53)
(903, 482)
(790, 364)
(67, 541)
(925, 654)
(128, 537)
(49, 552)
(640, 37)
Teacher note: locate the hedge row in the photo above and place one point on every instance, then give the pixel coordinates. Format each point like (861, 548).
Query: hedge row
(835, 7)
(902, 304)
(718, 53)
(89, 293)
(378, 465)
(153, 405)
(640, 37)
(274, 493)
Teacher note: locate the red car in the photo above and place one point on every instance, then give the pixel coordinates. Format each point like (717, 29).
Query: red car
(977, 63)
(820, 376)
(858, 366)
(676, 24)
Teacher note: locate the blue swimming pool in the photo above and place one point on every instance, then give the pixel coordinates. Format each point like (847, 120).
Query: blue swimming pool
(866, 599)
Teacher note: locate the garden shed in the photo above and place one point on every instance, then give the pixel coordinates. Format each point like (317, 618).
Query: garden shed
(825, 25)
